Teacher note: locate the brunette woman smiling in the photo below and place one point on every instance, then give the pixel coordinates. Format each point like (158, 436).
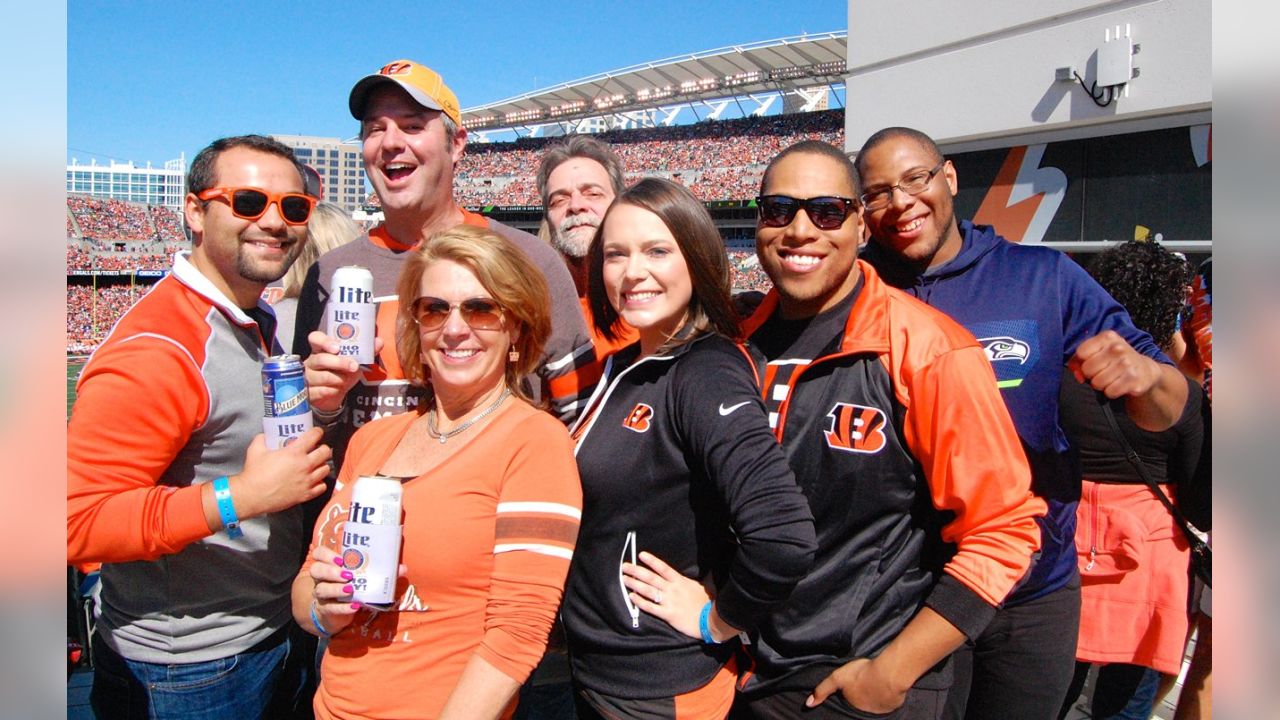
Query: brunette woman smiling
(681, 475)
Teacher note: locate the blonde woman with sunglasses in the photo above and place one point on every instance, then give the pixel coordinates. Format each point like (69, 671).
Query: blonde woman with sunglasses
(491, 501)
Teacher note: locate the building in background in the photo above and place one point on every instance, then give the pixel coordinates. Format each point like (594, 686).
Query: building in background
(1077, 124)
(339, 164)
(125, 181)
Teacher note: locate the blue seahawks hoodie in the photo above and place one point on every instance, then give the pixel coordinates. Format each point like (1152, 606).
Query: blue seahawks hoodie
(1030, 307)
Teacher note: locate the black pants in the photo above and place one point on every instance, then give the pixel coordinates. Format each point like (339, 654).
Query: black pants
(1021, 665)
(921, 704)
(1121, 691)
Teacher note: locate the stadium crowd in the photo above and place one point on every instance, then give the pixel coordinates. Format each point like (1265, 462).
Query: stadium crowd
(92, 311)
(111, 220)
(81, 260)
(747, 274)
(720, 160)
(168, 225)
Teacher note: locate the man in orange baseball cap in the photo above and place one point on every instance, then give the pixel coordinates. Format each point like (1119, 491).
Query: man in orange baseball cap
(423, 84)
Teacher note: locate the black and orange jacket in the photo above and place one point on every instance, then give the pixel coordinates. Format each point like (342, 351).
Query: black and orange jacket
(677, 459)
(919, 487)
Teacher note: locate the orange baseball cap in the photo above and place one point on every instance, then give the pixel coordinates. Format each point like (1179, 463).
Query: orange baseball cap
(422, 83)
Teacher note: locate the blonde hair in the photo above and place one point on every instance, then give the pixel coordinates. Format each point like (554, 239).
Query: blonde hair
(504, 271)
(329, 227)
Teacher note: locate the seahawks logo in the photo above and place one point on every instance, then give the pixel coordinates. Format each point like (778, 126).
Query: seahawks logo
(1005, 348)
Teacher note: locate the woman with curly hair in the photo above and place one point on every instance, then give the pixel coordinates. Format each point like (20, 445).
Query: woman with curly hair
(1133, 557)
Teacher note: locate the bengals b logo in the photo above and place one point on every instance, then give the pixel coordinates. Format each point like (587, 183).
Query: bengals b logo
(395, 68)
(639, 418)
(855, 428)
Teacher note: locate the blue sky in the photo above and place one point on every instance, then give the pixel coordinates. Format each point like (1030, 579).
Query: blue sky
(149, 80)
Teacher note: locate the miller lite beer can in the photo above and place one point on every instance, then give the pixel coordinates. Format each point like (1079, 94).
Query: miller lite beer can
(371, 539)
(350, 313)
(286, 413)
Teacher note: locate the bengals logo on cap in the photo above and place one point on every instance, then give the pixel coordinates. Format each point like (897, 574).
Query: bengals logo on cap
(639, 419)
(396, 68)
(855, 428)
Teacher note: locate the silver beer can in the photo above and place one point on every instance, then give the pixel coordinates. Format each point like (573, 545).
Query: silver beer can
(371, 539)
(350, 315)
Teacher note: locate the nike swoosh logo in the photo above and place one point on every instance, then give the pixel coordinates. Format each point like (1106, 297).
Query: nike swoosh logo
(726, 410)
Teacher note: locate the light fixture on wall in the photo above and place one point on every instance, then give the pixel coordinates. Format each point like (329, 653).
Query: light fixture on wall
(1114, 67)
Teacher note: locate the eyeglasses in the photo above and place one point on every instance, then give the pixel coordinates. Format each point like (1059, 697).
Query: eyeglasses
(479, 313)
(252, 203)
(827, 212)
(913, 184)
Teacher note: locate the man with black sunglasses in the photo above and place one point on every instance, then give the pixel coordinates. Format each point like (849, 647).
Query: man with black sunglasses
(890, 418)
(169, 483)
(1034, 311)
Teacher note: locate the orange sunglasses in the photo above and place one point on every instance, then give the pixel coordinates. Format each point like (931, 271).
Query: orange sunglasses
(252, 203)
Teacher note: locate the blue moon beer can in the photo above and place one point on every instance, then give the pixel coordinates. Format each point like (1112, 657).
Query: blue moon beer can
(286, 412)
(350, 313)
(371, 539)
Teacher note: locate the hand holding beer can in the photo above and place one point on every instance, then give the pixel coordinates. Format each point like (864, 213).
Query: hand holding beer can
(371, 539)
(350, 313)
(286, 412)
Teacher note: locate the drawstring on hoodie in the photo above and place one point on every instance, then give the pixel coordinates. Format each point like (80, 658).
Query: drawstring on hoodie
(926, 288)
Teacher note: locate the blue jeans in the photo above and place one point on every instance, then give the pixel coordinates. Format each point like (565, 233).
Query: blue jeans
(1125, 692)
(239, 686)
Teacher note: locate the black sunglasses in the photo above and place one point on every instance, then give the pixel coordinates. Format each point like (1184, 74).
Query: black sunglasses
(826, 213)
(478, 312)
(252, 203)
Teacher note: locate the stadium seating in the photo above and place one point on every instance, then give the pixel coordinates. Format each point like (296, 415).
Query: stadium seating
(717, 160)
(91, 312)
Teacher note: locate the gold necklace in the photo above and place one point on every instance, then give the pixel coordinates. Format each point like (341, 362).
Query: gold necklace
(444, 436)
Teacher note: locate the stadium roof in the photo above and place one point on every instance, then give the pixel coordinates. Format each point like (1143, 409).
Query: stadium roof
(772, 66)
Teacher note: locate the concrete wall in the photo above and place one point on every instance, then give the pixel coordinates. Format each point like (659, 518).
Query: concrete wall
(980, 74)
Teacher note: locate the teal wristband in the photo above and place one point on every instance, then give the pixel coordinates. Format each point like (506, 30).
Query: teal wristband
(222, 493)
(315, 620)
(704, 624)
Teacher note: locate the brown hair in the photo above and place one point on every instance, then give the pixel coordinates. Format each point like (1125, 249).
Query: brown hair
(711, 306)
(514, 282)
(202, 175)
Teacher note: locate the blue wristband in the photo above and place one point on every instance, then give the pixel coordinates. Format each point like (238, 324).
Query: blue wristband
(315, 620)
(222, 493)
(704, 624)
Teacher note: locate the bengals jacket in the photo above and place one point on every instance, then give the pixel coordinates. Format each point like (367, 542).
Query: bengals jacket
(677, 459)
(919, 488)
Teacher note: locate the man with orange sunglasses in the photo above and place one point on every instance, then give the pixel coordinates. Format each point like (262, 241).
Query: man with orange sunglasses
(169, 485)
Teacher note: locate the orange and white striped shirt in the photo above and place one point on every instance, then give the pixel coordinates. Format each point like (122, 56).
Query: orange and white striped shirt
(488, 536)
